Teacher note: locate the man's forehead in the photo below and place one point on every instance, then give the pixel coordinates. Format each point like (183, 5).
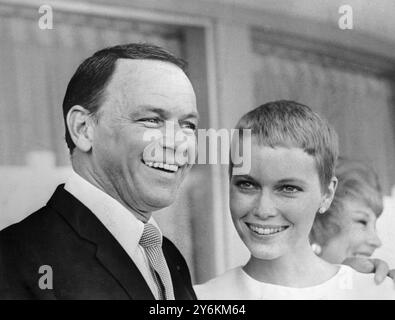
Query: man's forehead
(138, 67)
(137, 83)
(146, 73)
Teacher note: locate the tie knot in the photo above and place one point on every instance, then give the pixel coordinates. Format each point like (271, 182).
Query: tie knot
(151, 236)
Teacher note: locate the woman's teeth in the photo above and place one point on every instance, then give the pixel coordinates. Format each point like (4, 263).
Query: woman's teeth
(267, 230)
(160, 165)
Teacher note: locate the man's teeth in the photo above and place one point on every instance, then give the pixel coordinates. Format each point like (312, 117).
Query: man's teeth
(169, 167)
(266, 230)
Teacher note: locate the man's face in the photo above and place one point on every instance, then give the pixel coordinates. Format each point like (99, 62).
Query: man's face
(143, 97)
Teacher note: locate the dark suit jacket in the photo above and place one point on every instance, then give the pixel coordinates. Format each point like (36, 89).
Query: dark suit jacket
(86, 260)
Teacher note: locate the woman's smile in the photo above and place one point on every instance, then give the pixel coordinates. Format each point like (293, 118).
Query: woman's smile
(266, 230)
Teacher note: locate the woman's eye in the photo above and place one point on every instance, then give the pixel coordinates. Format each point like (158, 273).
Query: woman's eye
(363, 222)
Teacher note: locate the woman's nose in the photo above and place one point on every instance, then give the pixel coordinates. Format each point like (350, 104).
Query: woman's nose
(374, 240)
(267, 207)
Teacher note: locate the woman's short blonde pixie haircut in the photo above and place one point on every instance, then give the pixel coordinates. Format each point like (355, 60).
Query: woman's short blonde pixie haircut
(290, 124)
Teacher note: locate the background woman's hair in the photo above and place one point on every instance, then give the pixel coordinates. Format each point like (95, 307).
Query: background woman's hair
(356, 181)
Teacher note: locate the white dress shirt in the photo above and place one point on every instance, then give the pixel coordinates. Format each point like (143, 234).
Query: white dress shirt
(118, 220)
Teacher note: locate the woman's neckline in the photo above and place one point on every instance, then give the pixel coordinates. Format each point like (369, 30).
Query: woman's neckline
(340, 268)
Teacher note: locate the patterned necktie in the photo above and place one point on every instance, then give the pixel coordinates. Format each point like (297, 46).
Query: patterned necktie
(151, 241)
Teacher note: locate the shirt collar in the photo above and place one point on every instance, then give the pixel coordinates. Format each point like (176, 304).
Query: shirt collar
(121, 222)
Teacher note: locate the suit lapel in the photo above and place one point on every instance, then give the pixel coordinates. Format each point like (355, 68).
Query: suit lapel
(109, 252)
(181, 291)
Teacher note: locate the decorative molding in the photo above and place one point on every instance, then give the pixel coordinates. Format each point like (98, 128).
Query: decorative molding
(93, 20)
(115, 10)
(289, 46)
(204, 13)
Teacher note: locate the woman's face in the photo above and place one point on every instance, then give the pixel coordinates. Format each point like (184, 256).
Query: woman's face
(273, 207)
(357, 236)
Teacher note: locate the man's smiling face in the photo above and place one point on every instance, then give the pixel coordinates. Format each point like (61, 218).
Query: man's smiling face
(143, 96)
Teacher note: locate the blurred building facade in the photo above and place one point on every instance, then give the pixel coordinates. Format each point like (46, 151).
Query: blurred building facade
(240, 54)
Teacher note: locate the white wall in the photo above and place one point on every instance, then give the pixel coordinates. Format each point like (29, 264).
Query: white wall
(26, 189)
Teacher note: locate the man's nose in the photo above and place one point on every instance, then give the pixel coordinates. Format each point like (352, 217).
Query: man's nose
(177, 146)
(173, 136)
(266, 207)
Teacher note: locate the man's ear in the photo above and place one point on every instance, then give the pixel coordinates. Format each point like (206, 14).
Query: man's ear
(329, 194)
(80, 127)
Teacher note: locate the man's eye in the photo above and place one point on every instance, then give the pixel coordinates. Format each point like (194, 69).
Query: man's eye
(150, 121)
(246, 185)
(290, 189)
(189, 125)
